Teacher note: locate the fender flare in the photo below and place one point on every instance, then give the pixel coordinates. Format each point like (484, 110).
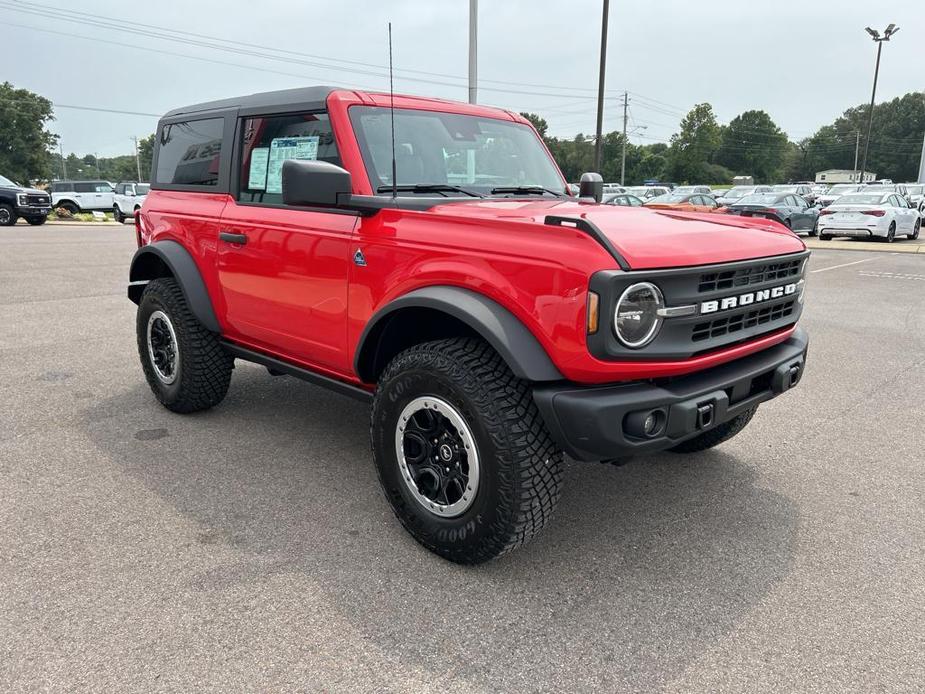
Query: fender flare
(492, 321)
(184, 270)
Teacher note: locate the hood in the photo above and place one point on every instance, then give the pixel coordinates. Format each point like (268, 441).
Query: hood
(648, 238)
(28, 191)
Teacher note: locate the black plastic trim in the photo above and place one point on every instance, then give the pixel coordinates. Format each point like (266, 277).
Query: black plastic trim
(278, 366)
(184, 270)
(498, 326)
(591, 230)
(589, 423)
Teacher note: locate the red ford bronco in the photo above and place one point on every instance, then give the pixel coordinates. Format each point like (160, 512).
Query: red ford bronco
(426, 255)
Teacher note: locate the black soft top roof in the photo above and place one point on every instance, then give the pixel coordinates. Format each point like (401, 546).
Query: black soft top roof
(308, 98)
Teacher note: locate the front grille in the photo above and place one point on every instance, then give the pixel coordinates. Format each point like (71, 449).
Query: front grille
(744, 277)
(37, 200)
(728, 325)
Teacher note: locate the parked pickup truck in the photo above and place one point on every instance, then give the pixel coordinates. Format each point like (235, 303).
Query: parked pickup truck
(29, 203)
(128, 199)
(495, 322)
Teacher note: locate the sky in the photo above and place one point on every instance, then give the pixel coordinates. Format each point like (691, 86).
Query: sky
(804, 62)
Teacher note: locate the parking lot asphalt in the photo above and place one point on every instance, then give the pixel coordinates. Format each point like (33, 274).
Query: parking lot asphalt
(249, 547)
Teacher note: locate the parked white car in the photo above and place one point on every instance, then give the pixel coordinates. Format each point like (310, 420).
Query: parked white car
(692, 190)
(870, 214)
(916, 193)
(737, 192)
(835, 192)
(82, 196)
(647, 192)
(128, 199)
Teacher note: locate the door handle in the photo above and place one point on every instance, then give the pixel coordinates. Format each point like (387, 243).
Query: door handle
(230, 237)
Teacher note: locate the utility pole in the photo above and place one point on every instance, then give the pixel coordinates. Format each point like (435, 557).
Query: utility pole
(473, 51)
(96, 160)
(137, 160)
(598, 144)
(63, 161)
(626, 99)
(857, 146)
(875, 35)
(922, 163)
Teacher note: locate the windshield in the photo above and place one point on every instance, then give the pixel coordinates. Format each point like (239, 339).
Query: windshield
(915, 190)
(860, 199)
(841, 189)
(669, 198)
(758, 199)
(685, 189)
(142, 188)
(4, 181)
(786, 189)
(450, 149)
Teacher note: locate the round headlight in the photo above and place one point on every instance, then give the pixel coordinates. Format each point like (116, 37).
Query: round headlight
(636, 320)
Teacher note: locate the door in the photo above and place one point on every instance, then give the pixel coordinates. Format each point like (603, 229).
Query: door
(83, 194)
(283, 270)
(804, 216)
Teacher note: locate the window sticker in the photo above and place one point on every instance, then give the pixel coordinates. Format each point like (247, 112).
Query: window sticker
(283, 148)
(257, 176)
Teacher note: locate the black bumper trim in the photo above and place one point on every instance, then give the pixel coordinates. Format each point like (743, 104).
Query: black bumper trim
(589, 423)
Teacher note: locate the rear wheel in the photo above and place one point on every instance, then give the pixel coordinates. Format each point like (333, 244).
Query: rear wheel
(117, 214)
(891, 234)
(915, 229)
(7, 216)
(36, 221)
(825, 237)
(461, 451)
(184, 363)
(69, 206)
(815, 230)
(716, 435)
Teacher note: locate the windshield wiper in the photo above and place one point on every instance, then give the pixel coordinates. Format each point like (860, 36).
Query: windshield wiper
(442, 188)
(527, 190)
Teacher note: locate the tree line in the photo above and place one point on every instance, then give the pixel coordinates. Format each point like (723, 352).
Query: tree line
(702, 151)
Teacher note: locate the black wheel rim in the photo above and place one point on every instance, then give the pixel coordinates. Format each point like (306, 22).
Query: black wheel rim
(437, 457)
(162, 347)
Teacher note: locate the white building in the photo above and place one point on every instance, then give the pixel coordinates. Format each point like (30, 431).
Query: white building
(844, 176)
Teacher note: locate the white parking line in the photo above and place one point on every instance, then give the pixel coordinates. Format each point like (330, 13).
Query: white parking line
(835, 267)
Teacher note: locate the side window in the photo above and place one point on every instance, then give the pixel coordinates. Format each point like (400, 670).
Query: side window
(84, 188)
(269, 141)
(189, 153)
(103, 188)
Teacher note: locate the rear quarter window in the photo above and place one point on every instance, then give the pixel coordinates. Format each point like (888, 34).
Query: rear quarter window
(189, 153)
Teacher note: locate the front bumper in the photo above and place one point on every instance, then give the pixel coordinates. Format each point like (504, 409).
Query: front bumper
(33, 210)
(600, 423)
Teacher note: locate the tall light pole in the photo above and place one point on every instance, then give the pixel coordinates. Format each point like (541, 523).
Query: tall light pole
(473, 51)
(875, 35)
(598, 143)
(137, 160)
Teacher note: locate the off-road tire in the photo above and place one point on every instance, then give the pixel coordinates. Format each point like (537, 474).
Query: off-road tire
(716, 435)
(117, 215)
(69, 206)
(521, 470)
(204, 367)
(8, 216)
(825, 237)
(36, 221)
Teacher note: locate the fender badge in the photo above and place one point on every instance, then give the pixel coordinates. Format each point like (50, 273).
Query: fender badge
(359, 258)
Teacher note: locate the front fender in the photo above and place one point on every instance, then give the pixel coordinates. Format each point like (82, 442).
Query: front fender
(495, 324)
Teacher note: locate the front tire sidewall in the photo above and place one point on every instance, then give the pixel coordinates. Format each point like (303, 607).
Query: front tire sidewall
(461, 535)
(166, 393)
(7, 216)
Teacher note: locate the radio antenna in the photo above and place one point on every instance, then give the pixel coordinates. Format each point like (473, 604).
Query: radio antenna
(392, 116)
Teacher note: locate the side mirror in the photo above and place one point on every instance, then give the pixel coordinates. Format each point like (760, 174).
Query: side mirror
(591, 185)
(318, 183)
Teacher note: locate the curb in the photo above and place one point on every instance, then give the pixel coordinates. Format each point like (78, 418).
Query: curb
(903, 246)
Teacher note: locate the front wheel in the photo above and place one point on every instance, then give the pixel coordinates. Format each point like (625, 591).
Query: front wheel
(716, 435)
(184, 363)
(7, 216)
(461, 451)
(36, 221)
